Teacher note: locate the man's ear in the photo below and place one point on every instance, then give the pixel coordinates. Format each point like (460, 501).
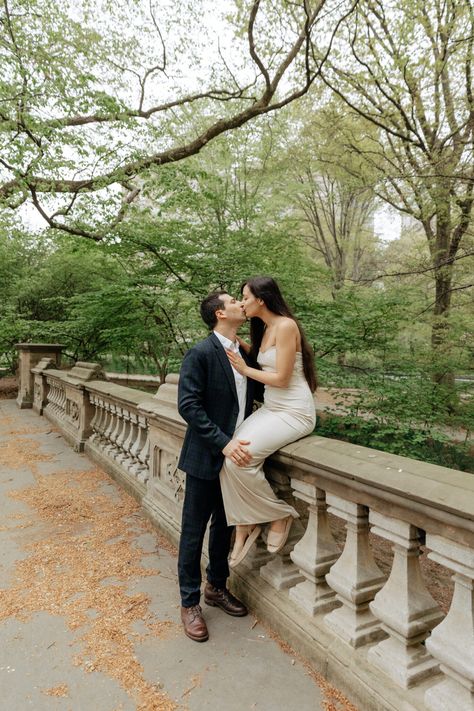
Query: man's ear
(220, 313)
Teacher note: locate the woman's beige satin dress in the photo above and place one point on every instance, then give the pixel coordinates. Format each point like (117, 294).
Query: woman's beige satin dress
(286, 415)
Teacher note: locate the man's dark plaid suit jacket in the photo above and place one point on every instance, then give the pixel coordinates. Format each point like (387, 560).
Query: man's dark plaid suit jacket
(207, 401)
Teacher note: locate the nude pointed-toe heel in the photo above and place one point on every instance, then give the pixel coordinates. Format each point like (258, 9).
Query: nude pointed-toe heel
(239, 555)
(276, 541)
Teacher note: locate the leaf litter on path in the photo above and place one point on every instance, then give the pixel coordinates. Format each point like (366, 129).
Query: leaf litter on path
(82, 539)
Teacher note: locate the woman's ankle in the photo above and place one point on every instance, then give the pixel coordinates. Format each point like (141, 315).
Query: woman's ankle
(278, 525)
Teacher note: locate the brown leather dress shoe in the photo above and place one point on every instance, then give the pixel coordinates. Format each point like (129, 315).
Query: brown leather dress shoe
(221, 597)
(194, 623)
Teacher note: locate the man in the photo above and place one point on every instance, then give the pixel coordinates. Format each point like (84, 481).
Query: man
(213, 399)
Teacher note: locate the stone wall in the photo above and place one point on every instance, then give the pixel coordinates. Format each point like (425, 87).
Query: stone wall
(381, 639)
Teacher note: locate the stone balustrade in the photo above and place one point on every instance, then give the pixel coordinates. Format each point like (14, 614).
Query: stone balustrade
(380, 637)
(120, 433)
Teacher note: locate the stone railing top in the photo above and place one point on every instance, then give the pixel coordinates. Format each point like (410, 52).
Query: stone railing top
(121, 393)
(409, 480)
(44, 364)
(85, 372)
(133, 377)
(172, 378)
(165, 403)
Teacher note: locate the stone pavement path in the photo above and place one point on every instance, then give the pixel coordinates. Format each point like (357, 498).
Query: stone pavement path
(89, 615)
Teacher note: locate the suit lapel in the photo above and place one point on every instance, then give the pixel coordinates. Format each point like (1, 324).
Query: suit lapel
(225, 363)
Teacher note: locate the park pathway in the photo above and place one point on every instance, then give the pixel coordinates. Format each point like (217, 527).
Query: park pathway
(89, 612)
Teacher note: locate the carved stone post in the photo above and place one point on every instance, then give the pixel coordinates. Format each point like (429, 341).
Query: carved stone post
(79, 408)
(355, 577)
(315, 553)
(405, 607)
(41, 387)
(160, 450)
(30, 355)
(452, 642)
(69, 405)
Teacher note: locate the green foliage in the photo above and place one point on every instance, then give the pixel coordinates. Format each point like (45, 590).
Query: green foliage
(132, 301)
(401, 439)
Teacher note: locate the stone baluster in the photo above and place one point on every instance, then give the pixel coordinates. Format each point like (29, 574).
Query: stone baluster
(131, 438)
(50, 395)
(144, 453)
(112, 423)
(94, 400)
(315, 553)
(112, 448)
(355, 577)
(99, 423)
(404, 606)
(53, 396)
(452, 642)
(138, 446)
(62, 402)
(122, 435)
(105, 424)
(280, 572)
(57, 399)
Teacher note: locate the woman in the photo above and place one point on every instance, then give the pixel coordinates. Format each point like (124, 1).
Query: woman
(288, 413)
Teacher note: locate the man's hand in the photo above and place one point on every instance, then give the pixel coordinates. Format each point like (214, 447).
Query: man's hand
(238, 452)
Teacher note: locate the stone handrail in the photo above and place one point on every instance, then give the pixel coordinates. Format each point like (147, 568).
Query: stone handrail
(383, 640)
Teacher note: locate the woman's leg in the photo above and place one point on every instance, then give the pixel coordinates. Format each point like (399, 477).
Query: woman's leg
(248, 497)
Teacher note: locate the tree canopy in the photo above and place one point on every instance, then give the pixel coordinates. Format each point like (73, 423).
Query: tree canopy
(94, 94)
(174, 149)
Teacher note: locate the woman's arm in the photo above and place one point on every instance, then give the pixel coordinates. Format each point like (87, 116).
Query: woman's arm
(286, 343)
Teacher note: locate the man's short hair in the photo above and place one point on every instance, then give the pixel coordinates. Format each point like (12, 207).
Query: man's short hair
(209, 306)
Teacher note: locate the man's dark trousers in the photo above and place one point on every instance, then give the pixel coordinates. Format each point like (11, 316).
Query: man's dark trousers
(202, 501)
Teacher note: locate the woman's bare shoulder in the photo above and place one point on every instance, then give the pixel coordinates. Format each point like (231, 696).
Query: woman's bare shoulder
(286, 325)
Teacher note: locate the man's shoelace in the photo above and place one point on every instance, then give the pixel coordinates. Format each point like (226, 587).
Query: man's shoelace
(195, 611)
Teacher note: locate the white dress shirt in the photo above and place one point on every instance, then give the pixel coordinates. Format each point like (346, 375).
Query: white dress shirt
(240, 380)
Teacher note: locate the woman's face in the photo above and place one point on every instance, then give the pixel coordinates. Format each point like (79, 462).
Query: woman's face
(250, 303)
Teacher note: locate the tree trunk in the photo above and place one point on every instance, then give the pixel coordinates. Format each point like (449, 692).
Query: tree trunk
(440, 331)
(440, 248)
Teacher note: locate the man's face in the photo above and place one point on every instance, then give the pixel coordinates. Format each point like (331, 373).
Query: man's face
(233, 311)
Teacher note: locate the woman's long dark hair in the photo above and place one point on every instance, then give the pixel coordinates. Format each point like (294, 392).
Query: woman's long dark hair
(267, 289)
